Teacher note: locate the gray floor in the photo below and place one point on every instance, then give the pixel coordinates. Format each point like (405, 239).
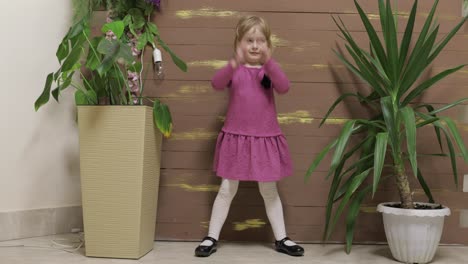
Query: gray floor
(43, 250)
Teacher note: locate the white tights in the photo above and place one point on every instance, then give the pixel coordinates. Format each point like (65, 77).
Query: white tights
(223, 200)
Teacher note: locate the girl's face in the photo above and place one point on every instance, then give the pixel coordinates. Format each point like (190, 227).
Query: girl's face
(253, 45)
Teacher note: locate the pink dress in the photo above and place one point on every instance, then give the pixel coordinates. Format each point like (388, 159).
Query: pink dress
(251, 146)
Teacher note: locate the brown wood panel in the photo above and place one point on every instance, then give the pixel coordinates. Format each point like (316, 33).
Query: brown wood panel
(369, 227)
(300, 6)
(202, 160)
(300, 144)
(320, 66)
(201, 32)
(297, 39)
(312, 91)
(203, 18)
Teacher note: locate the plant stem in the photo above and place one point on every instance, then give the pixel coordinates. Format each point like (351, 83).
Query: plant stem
(404, 189)
(140, 101)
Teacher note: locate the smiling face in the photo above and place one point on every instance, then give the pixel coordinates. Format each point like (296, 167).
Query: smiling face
(253, 45)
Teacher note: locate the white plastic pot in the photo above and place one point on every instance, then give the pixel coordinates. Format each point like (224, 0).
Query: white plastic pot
(413, 234)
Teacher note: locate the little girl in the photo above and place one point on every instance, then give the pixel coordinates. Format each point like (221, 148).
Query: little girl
(251, 146)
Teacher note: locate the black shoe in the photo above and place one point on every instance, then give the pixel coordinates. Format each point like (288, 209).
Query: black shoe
(295, 250)
(206, 251)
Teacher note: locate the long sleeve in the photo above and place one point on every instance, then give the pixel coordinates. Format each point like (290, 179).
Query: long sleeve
(278, 78)
(222, 77)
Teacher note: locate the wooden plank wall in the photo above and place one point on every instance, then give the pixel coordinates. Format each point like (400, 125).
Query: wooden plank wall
(201, 32)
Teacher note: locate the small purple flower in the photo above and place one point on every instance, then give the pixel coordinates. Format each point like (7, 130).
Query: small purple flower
(156, 3)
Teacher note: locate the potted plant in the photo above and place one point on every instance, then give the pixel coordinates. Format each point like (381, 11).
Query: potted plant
(119, 145)
(388, 139)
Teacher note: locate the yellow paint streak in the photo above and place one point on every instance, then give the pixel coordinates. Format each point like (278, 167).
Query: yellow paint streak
(196, 134)
(336, 121)
(278, 42)
(302, 67)
(205, 224)
(442, 17)
(377, 16)
(194, 89)
(196, 188)
(463, 71)
(205, 12)
(297, 47)
(248, 224)
(368, 209)
(301, 116)
(433, 190)
(216, 64)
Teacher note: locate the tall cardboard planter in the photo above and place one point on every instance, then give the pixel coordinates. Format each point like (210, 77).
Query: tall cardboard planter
(119, 164)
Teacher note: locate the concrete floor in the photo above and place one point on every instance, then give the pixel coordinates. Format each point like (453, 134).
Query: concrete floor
(42, 250)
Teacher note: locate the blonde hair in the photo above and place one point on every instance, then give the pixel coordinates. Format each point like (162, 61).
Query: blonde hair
(248, 22)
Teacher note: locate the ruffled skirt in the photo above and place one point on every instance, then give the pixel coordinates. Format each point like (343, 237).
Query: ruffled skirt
(251, 158)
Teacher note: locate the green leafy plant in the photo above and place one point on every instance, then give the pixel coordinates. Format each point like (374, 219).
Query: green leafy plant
(388, 139)
(110, 64)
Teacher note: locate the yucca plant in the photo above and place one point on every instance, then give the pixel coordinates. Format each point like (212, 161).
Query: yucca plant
(391, 69)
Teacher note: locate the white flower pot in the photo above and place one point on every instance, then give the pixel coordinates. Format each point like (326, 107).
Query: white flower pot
(413, 234)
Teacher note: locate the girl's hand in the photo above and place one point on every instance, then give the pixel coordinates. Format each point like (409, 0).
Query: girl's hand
(238, 58)
(266, 55)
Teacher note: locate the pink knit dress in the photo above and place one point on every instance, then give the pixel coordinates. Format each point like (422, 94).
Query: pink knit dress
(251, 146)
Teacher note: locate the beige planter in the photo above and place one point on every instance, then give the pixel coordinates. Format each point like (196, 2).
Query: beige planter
(119, 164)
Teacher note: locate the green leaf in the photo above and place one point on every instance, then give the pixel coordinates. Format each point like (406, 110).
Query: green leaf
(80, 98)
(374, 39)
(153, 29)
(63, 50)
(357, 181)
(113, 50)
(77, 29)
(142, 41)
(409, 121)
(343, 140)
(319, 158)
(417, 66)
(177, 61)
(353, 212)
(85, 97)
(390, 120)
(429, 83)
(444, 42)
(62, 86)
(369, 71)
(425, 187)
(45, 95)
(406, 41)
(430, 108)
(93, 60)
(361, 165)
(379, 158)
(127, 20)
(418, 59)
(73, 58)
(137, 17)
(392, 45)
(136, 67)
(433, 112)
(117, 27)
(341, 98)
(452, 157)
(162, 118)
(456, 135)
(452, 154)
